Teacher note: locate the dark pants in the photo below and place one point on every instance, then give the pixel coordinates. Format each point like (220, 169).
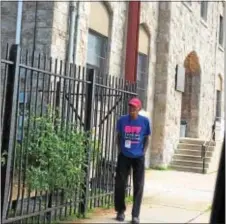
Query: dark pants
(122, 172)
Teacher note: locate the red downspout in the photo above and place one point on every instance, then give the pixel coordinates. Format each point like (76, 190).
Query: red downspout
(132, 41)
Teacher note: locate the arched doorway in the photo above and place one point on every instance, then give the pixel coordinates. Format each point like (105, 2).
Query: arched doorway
(191, 95)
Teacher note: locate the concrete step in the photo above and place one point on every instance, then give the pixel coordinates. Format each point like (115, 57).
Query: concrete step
(178, 156)
(193, 146)
(189, 163)
(192, 152)
(195, 141)
(187, 168)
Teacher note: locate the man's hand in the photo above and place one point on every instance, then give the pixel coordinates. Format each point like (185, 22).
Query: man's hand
(146, 142)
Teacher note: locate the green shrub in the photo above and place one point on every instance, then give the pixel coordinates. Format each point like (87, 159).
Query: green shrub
(55, 156)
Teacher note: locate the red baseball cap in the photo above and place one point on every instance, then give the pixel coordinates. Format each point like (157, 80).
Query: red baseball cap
(135, 102)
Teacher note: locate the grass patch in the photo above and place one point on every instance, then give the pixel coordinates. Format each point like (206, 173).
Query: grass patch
(88, 215)
(129, 199)
(71, 218)
(107, 206)
(75, 217)
(161, 168)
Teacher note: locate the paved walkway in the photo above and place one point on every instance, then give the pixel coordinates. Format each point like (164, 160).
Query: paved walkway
(170, 197)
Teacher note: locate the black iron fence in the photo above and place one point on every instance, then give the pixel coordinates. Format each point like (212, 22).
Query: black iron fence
(58, 155)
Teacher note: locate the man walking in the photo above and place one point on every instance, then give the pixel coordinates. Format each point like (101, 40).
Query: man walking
(132, 140)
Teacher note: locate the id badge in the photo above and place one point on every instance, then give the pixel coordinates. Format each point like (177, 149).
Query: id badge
(128, 144)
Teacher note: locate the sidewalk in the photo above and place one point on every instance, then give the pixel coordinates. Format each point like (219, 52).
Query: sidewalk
(170, 197)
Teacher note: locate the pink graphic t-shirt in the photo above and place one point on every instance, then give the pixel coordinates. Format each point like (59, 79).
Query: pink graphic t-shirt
(132, 135)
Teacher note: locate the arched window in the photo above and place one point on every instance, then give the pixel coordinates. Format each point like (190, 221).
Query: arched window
(218, 97)
(142, 64)
(98, 37)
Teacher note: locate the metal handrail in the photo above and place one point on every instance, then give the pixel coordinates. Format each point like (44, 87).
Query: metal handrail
(205, 147)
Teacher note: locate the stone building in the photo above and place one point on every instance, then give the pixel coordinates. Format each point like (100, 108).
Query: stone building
(164, 36)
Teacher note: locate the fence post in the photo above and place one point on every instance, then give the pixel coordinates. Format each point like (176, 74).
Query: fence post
(9, 122)
(90, 91)
(57, 100)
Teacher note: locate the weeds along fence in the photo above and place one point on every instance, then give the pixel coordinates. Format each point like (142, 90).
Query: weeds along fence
(58, 152)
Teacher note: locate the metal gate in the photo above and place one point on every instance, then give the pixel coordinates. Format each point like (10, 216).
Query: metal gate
(58, 150)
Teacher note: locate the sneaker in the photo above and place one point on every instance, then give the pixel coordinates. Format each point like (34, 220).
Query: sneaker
(135, 220)
(120, 217)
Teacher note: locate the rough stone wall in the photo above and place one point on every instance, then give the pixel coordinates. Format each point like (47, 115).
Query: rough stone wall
(37, 30)
(161, 78)
(118, 38)
(219, 62)
(8, 21)
(60, 30)
(210, 70)
(48, 31)
(149, 17)
(206, 48)
(187, 33)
